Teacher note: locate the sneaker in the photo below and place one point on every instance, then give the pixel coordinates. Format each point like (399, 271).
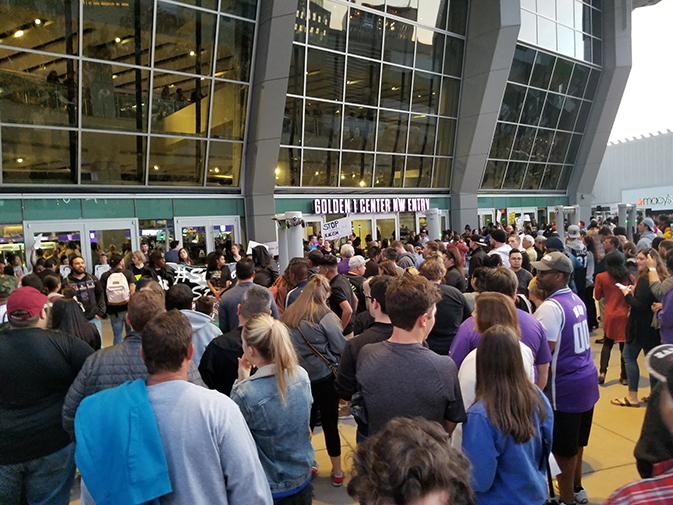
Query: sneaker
(601, 378)
(315, 468)
(337, 481)
(623, 381)
(581, 496)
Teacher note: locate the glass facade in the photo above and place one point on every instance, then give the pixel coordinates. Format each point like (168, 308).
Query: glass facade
(143, 92)
(373, 94)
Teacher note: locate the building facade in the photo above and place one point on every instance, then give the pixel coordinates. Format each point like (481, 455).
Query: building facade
(200, 120)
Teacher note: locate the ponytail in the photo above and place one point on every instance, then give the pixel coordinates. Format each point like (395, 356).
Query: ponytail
(271, 339)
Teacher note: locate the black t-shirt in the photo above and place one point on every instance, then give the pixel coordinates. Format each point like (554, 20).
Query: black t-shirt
(219, 278)
(130, 278)
(356, 284)
(342, 291)
(452, 310)
(219, 363)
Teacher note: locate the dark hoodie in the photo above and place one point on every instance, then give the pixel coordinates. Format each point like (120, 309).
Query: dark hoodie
(266, 269)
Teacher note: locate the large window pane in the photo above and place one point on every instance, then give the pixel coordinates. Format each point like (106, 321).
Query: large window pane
(115, 98)
(552, 110)
(533, 106)
(300, 23)
(578, 81)
(395, 87)
(592, 84)
(399, 45)
(32, 156)
(448, 106)
(288, 168)
(224, 164)
(392, 136)
(389, 170)
(292, 121)
(403, 8)
(542, 70)
(230, 103)
(295, 85)
(446, 134)
(562, 73)
(551, 176)
(433, 13)
(429, 50)
(571, 107)
(565, 177)
(47, 25)
(359, 128)
(113, 159)
(458, 16)
(327, 25)
(495, 171)
(418, 172)
(546, 33)
(324, 75)
(574, 147)
(175, 161)
(523, 143)
(558, 150)
(528, 30)
(365, 34)
(356, 170)
(322, 124)
(234, 49)
(118, 31)
(321, 168)
(441, 178)
(184, 39)
(37, 89)
(533, 176)
(453, 58)
(512, 103)
(180, 104)
(206, 4)
(514, 176)
(542, 145)
(362, 81)
(243, 8)
(566, 40)
(422, 134)
(522, 64)
(502, 140)
(583, 116)
(426, 93)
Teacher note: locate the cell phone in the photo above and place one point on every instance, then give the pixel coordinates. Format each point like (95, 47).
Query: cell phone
(619, 285)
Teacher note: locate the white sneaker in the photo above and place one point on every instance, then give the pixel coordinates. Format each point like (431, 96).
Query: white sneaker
(581, 496)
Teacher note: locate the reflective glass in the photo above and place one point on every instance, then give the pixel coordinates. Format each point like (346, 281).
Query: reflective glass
(395, 87)
(512, 103)
(564, 179)
(365, 34)
(578, 81)
(586, 42)
(592, 84)
(403, 8)
(547, 8)
(389, 169)
(321, 168)
(399, 46)
(118, 31)
(514, 176)
(184, 106)
(295, 85)
(47, 25)
(566, 40)
(422, 134)
(288, 168)
(356, 170)
(441, 177)
(234, 49)
(551, 177)
(446, 135)
(359, 128)
(579, 46)
(184, 39)
(433, 13)
(113, 159)
(533, 176)
(596, 21)
(418, 173)
(327, 25)
(571, 107)
(293, 116)
(571, 155)
(533, 106)
(558, 150)
(426, 93)
(322, 124)
(586, 18)
(300, 23)
(542, 145)
(114, 97)
(458, 16)
(429, 50)
(33, 156)
(224, 164)
(37, 89)
(392, 131)
(564, 12)
(546, 33)
(552, 110)
(542, 70)
(448, 106)
(597, 51)
(206, 4)
(523, 143)
(362, 81)
(528, 30)
(176, 161)
(453, 57)
(324, 75)
(493, 174)
(502, 140)
(583, 116)
(230, 103)
(561, 78)
(522, 65)
(243, 8)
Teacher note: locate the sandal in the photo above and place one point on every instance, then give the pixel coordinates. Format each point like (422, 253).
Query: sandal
(624, 403)
(645, 399)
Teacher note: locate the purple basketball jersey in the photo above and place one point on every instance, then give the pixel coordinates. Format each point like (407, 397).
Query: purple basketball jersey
(573, 377)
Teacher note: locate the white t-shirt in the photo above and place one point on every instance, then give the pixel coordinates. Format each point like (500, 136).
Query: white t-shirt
(3, 313)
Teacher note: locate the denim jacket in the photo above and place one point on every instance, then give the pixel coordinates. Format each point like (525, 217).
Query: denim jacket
(281, 431)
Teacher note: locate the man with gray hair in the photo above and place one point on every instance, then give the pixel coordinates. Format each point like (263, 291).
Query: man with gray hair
(347, 252)
(219, 363)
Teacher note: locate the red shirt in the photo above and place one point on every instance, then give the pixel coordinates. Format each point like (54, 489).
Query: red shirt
(616, 313)
(655, 491)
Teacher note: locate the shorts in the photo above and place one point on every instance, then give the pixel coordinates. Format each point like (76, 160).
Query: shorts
(571, 431)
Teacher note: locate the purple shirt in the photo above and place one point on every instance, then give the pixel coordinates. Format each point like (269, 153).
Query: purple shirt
(532, 335)
(342, 266)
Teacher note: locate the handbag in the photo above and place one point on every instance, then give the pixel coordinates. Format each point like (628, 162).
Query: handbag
(359, 410)
(332, 368)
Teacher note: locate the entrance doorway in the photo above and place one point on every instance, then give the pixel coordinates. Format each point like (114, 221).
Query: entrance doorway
(201, 236)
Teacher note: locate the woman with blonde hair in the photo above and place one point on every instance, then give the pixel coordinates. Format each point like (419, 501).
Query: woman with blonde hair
(276, 404)
(508, 433)
(318, 339)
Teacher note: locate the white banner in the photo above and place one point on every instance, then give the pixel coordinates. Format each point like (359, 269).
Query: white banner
(336, 229)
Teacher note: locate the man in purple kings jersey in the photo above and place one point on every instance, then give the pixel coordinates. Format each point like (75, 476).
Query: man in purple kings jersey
(573, 381)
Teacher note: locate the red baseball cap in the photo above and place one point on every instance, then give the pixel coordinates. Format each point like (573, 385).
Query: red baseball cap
(25, 303)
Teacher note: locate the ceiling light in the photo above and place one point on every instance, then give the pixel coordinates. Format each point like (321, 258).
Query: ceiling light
(38, 21)
(277, 171)
(118, 40)
(343, 176)
(362, 184)
(156, 167)
(114, 76)
(192, 53)
(18, 33)
(19, 160)
(317, 173)
(217, 170)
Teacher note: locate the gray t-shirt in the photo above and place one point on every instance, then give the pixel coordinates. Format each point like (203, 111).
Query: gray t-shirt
(408, 380)
(211, 455)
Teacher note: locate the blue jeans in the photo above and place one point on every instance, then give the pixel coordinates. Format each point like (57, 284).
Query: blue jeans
(631, 352)
(118, 322)
(47, 480)
(99, 326)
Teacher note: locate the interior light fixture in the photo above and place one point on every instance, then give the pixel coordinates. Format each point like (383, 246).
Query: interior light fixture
(38, 21)
(156, 167)
(317, 173)
(362, 184)
(18, 33)
(118, 40)
(217, 170)
(192, 53)
(19, 160)
(277, 171)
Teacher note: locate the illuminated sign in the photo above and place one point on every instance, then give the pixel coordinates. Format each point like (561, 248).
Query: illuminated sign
(369, 205)
(655, 198)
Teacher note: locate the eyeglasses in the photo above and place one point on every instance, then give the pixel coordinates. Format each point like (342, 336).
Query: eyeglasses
(370, 298)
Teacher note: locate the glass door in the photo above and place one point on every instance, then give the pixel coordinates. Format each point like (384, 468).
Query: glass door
(59, 238)
(486, 217)
(107, 237)
(201, 236)
(386, 227)
(362, 228)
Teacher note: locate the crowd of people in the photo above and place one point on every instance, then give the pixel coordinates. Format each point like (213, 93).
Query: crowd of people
(465, 363)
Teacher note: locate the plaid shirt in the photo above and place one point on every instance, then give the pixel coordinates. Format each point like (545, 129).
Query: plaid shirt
(654, 491)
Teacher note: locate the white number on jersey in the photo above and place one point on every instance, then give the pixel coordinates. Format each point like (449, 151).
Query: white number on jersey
(582, 337)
